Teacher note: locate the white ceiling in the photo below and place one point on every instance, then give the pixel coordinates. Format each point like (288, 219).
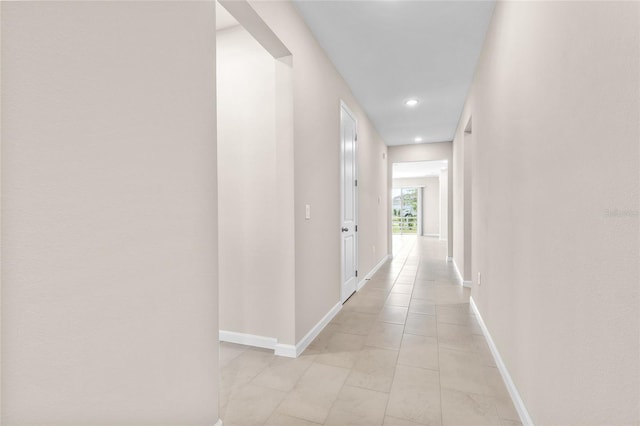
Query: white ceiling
(416, 169)
(389, 51)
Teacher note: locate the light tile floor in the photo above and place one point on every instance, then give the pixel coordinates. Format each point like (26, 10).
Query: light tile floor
(405, 350)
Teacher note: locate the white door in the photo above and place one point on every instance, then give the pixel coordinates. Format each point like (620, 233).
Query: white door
(349, 203)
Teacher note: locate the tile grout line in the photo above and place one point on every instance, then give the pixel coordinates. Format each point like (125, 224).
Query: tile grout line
(351, 369)
(402, 338)
(439, 375)
(409, 255)
(384, 415)
(435, 307)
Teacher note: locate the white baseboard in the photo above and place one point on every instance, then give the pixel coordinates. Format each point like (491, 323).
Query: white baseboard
(313, 333)
(264, 342)
(248, 339)
(458, 274)
(525, 418)
(449, 259)
(280, 349)
(373, 271)
(288, 351)
(462, 282)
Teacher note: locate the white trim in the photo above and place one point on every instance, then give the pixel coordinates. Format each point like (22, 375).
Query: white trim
(372, 272)
(449, 258)
(462, 282)
(458, 274)
(288, 351)
(431, 235)
(313, 333)
(525, 418)
(218, 423)
(248, 339)
(281, 349)
(420, 230)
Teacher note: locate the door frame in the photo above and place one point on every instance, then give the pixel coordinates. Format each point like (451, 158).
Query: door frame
(467, 203)
(345, 108)
(420, 211)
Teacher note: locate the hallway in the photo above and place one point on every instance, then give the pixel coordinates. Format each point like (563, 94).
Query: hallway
(405, 350)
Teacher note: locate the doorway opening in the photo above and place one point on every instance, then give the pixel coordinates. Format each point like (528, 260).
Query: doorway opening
(256, 222)
(419, 202)
(406, 211)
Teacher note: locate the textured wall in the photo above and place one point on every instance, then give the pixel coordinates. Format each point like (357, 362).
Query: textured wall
(318, 89)
(444, 204)
(555, 107)
(109, 263)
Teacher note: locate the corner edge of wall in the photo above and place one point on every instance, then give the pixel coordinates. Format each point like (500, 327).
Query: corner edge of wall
(316, 329)
(525, 418)
(372, 272)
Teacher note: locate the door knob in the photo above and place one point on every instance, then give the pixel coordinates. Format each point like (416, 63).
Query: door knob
(345, 229)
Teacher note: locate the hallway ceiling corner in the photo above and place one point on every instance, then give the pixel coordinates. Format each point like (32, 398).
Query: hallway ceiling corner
(392, 51)
(224, 19)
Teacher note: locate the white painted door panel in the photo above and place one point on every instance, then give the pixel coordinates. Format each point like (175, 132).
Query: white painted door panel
(349, 202)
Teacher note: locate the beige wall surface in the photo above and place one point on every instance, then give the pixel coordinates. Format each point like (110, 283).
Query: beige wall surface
(256, 282)
(109, 263)
(444, 203)
(462, 205)
(423, 152)
(457, 185)
(318, 89)
(430, 201)
(411, 182)
(431, 207)
(556, 115)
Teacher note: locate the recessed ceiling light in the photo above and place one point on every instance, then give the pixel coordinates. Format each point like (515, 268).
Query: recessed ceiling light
(418, 139)
(411, 102)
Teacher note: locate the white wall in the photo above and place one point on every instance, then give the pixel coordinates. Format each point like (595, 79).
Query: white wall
(556, 120)
(423, 152)
(431, 207)
(412, 182)
(444, 204)
(430, 201)
(457, 183)
(462, 203)
(318, 89)
(256, 222)
(109, 271)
